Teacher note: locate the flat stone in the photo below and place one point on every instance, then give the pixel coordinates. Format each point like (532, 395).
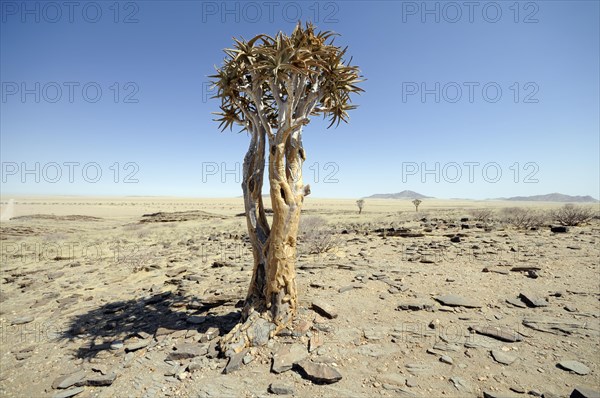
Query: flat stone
(259, 332)
(372, 350)
(247, 358)
(460, 384)
(497, 394)
(98, 380)
(280, 389)
(68, 393)
(55, 275)
(499, 333)
(559, 229)
(502, 357)
(374, 334)
(116, 345)
(525, 268)
(137, 345)
(497, 270)
(555, 325)
(235, 361)
(163, 331)
(532, 300)
(196, 320)
(174, 272)
(585, 392)
(453, 300)
(446, 347)
(516, 303)
(417, 368)
(213, 349)
(324, 309)
(392, 378)
(68, 380)
(316, 341)
(318, 373)
(287, 356)
(446, 359)
(574, 366)
(187, 350)
(345, 288)
(416, 306)
(22, 320)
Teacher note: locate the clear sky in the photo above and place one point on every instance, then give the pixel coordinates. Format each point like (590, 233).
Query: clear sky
(463, 99)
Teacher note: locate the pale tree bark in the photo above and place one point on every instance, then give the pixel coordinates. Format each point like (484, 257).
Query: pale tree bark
(272, 299)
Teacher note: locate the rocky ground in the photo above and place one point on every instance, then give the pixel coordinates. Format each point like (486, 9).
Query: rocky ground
(101, 306)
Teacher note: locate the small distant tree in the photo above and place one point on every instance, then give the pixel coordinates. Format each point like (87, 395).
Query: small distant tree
(572, 215)
(417, 202)
(360, 203)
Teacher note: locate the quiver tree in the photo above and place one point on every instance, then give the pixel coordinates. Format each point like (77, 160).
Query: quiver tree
(360, 203)
(271, 86)
(417, 202)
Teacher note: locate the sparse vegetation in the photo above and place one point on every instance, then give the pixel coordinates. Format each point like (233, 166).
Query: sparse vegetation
(315, 237)
(360, 203)
(572, 215)
(483, 215)
(417, 202)
(522, 218)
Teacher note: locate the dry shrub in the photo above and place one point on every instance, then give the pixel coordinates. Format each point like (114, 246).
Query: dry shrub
(521, 218)
(572, 215)
(315, 236)
(483, 215)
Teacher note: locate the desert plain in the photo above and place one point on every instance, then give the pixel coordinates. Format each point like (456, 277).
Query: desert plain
(127, 297)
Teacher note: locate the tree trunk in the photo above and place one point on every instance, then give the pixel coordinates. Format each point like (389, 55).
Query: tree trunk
(272, 301)
(287, 197)
(258, 227)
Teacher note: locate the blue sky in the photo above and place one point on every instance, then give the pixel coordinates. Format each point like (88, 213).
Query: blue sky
(488, 100)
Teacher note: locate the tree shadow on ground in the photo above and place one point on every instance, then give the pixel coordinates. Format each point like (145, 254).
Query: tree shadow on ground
(143, 318)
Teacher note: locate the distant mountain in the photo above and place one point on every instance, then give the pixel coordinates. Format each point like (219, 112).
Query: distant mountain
(553, 197)
(400, 195)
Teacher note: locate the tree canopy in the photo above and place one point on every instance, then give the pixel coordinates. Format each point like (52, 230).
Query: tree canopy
(268, 82)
